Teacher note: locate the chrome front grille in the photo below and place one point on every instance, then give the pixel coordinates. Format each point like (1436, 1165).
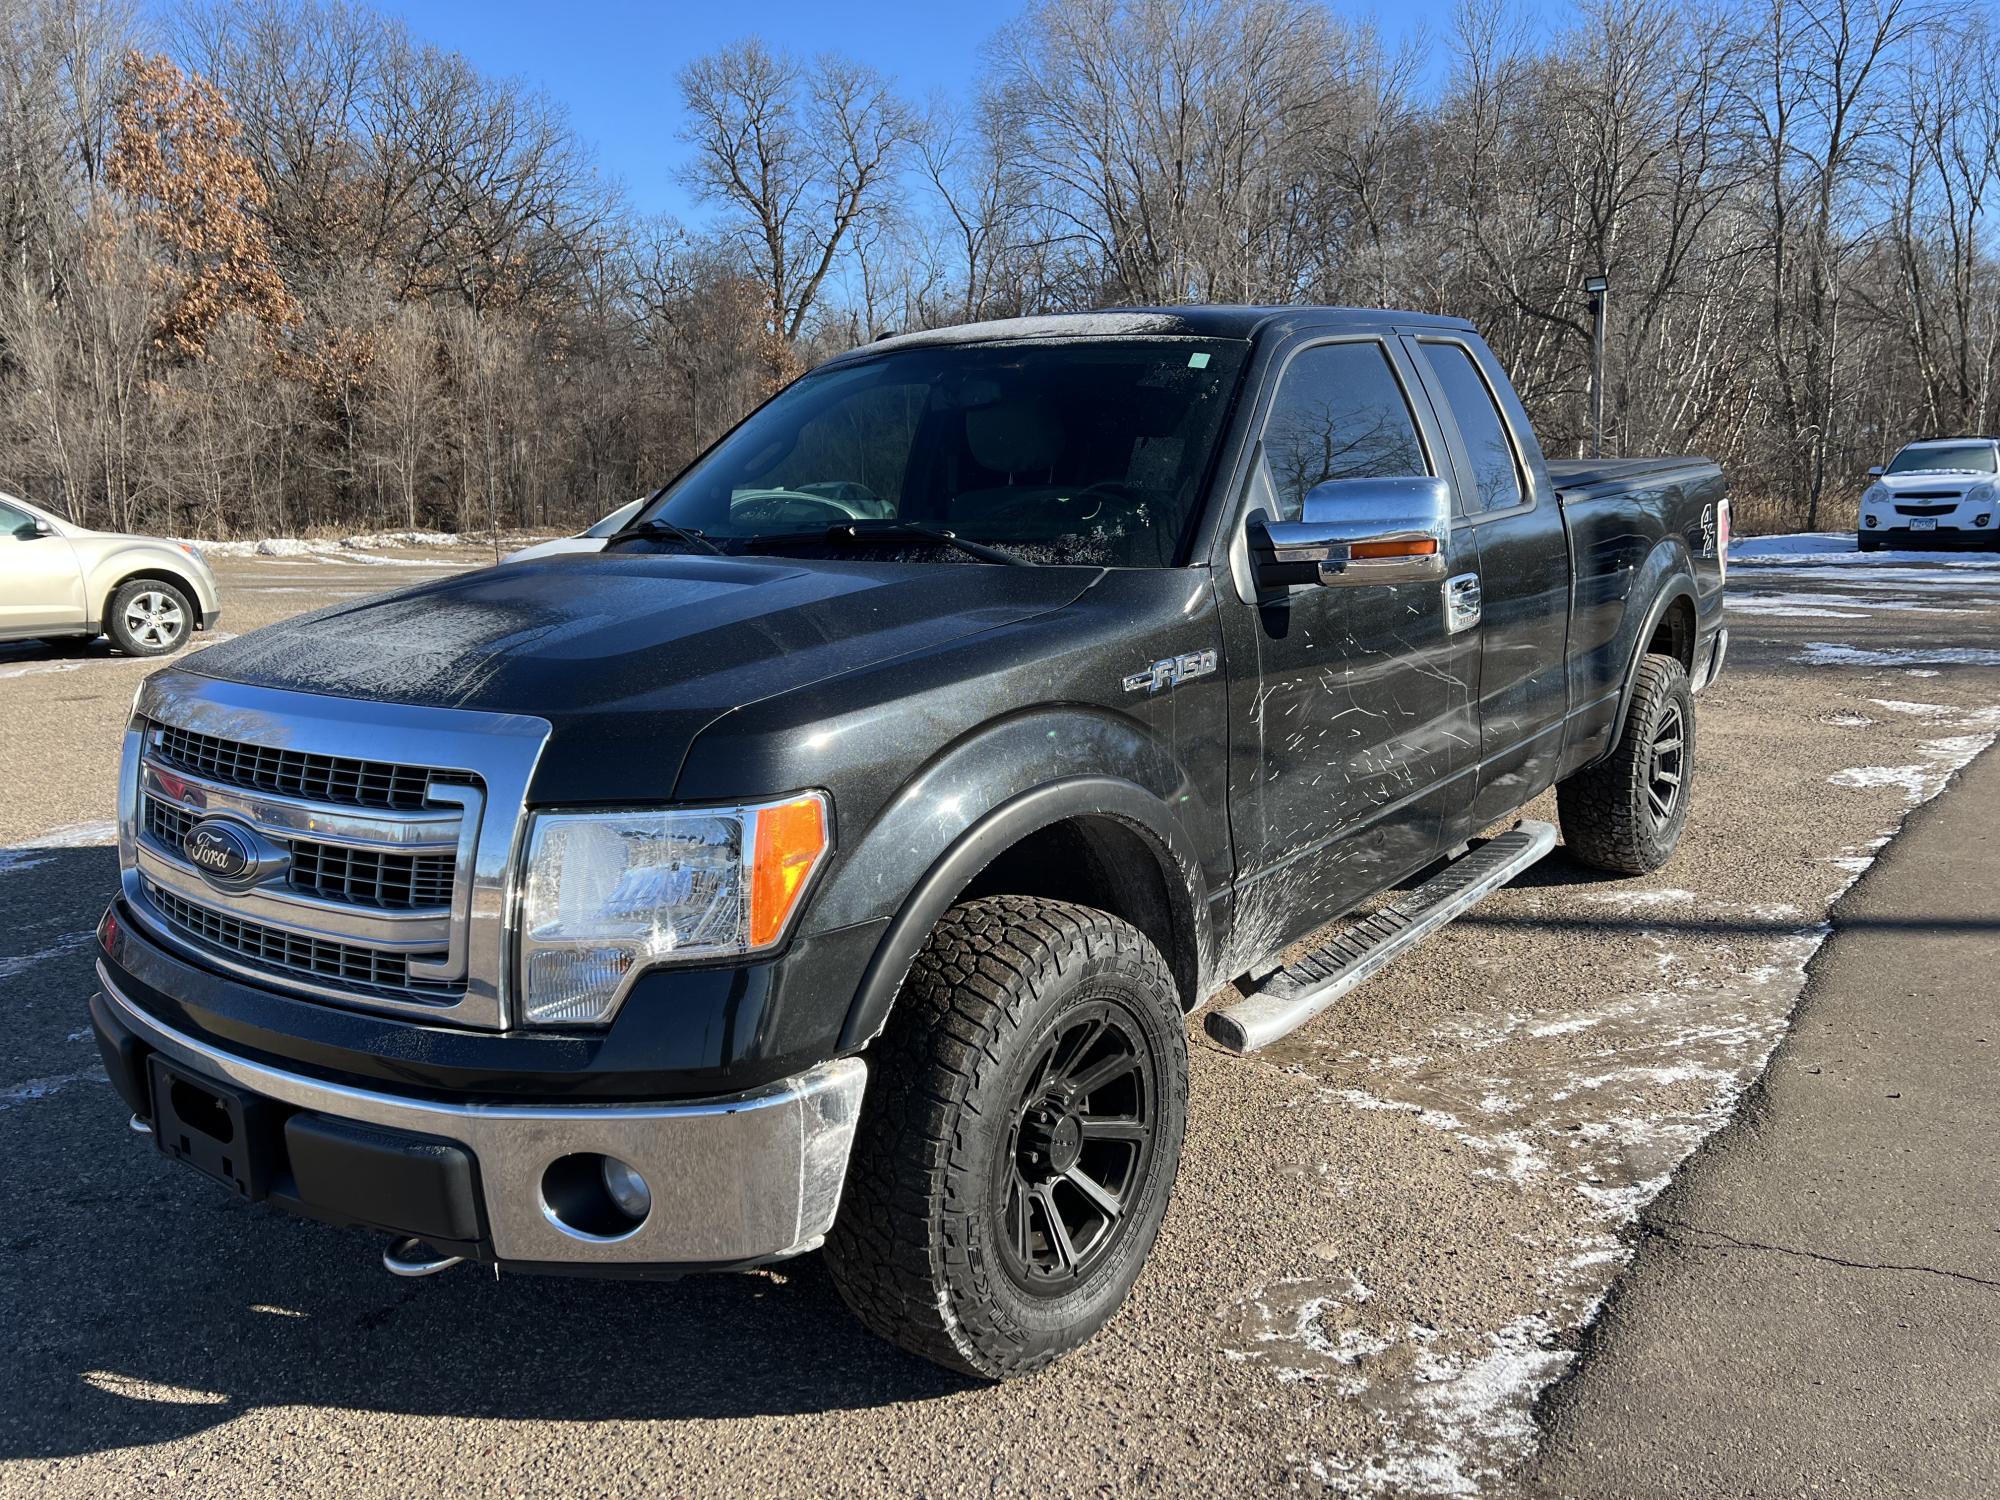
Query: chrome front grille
(371, 877)
(335, 872)
(377, 842)
(295, 773)
(288, 952)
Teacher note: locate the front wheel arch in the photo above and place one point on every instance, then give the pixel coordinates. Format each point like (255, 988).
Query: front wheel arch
(1035, 812)
(150, 574)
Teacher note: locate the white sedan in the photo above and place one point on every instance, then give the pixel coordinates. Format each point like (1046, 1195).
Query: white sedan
(589, 540)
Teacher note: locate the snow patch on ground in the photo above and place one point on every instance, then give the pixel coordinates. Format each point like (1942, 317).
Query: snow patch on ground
(39, 850)
(294, 546)
(1839, 549)
(1854, 606)
(37, 668)
(1835, 654)
(1943, 758)
(61, 948)
(36, 1089)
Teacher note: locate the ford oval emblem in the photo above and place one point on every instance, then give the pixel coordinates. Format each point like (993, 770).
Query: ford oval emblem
(223, 851)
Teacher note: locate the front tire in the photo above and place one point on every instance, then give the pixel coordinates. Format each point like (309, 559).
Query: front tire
(149, 617)
(1866, 543)
(1626, 813)
(1022, 1128)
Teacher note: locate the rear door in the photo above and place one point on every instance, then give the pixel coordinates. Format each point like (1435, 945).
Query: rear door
(41, 587)
(1350, 706)
(1523, 570)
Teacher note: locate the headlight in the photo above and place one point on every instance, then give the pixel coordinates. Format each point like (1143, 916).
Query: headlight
(610, 893)
(1874, 493)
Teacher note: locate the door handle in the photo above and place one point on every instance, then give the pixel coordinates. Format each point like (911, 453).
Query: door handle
(1462, 602)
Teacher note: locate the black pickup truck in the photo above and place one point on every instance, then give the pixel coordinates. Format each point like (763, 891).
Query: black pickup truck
(836, 857)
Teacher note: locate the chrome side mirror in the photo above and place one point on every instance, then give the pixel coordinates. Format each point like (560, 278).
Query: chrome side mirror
(1358, 531)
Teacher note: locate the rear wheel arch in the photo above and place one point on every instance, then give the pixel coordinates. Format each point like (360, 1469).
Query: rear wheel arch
(1096, 841)
(1671, 627)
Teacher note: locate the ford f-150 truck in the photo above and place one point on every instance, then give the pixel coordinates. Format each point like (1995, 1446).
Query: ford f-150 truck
(835, 858)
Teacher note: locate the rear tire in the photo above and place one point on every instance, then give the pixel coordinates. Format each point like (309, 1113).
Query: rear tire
(149, 617)
(1018, 1144)
(1627, 812)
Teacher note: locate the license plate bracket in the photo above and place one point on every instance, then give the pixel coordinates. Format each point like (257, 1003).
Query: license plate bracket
(1923, 523)
(219, 1131)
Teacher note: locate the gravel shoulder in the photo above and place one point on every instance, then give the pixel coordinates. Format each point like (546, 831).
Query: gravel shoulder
(1816, 1298)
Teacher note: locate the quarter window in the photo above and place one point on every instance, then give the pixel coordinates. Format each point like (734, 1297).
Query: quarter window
(1496, 473)
(1340, 414)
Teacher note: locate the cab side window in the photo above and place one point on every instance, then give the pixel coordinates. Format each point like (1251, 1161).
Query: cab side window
(14, 523)
(1496, 471)
(1340, 414)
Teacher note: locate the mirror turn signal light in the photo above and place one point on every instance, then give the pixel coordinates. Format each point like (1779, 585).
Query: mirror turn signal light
(1413, 547)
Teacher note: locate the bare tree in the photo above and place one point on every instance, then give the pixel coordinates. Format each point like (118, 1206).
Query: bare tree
(796, 155)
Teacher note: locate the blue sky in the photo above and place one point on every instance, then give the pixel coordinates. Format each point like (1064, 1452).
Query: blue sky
(612, 63)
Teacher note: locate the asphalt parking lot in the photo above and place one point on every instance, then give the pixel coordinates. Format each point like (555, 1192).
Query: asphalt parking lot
(1388, 1235)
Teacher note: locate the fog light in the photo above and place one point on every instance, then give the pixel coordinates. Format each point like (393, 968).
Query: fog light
(627, 1188)
(1982, 518)
(595, 1197)
(1871, 520)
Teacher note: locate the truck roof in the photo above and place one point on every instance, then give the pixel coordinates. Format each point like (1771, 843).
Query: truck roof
(1234, 322)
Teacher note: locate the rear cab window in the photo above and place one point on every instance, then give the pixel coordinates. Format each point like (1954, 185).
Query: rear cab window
(1497, 479)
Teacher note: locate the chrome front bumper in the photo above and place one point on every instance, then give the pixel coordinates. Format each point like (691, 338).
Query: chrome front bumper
(749, 1178)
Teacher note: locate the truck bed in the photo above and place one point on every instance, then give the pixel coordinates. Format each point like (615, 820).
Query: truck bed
(1575, 475)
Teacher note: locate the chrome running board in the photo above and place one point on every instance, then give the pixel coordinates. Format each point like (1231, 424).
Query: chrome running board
(1294, 995)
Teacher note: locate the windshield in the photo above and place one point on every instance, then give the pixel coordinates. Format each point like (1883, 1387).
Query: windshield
(1058, 452)
(1974, 457)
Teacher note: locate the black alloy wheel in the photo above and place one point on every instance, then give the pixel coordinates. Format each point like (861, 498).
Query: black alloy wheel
(1079, 1150)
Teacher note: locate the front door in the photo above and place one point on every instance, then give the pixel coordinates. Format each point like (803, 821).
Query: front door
(1351, 710)
(41, 588)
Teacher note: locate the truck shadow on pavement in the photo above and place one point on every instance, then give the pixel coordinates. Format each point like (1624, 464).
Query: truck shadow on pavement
(140, 1304)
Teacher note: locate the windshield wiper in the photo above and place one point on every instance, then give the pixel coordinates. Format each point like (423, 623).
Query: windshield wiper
(905, 530)
(672, 530)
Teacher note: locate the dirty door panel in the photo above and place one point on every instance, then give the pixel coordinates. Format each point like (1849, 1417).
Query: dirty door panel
(1350, 705)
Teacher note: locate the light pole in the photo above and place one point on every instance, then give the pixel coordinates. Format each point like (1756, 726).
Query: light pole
(1599, 288)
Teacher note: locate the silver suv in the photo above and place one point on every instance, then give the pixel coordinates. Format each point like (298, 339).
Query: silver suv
(61, 580)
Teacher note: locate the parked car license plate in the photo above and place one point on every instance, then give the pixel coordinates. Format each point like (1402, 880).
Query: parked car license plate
(1923, 523)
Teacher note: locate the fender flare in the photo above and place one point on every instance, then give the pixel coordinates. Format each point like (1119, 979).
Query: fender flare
(1003, 826)
(1679, 584)
(137, 571)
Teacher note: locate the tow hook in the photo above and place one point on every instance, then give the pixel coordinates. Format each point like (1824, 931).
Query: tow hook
(412, 1257)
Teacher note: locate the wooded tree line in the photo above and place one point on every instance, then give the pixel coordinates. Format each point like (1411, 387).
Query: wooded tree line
(279, 265)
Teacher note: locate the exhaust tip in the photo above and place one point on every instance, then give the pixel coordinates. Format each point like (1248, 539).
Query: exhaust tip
(412, 1257)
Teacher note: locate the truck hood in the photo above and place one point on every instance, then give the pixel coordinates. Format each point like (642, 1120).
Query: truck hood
(634, 650)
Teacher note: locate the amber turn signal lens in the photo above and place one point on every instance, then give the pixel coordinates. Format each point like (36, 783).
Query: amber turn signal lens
(1425, 547)
(791, 837)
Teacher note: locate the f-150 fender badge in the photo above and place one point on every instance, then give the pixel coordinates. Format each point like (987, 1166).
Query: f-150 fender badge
(1171, 671)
